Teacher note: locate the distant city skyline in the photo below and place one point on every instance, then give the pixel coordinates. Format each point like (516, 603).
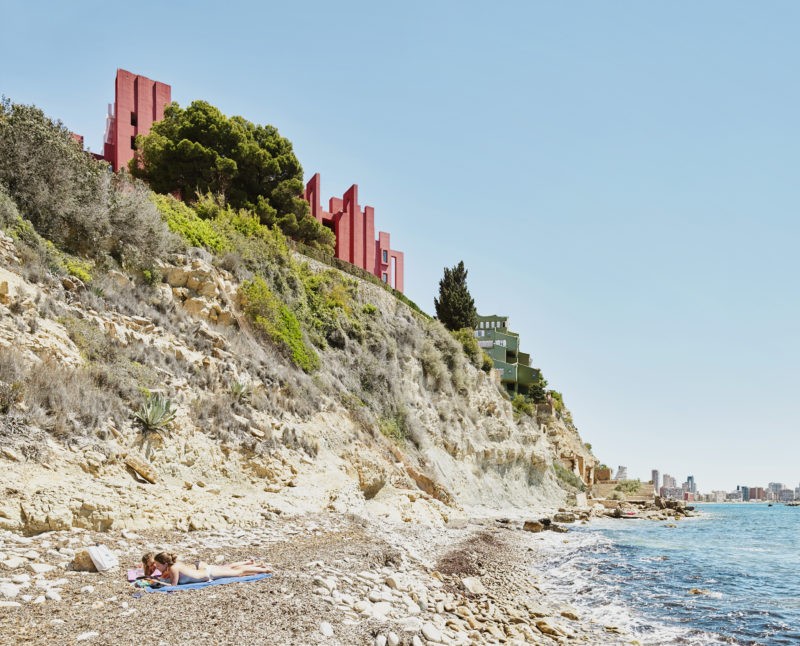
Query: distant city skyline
(619, 179)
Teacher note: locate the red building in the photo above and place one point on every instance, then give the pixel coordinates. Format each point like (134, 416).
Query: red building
(355, 234)
(138, 103)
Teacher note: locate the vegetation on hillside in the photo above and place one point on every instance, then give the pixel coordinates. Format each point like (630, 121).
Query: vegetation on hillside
(199, 150)
(306, 336)
(70, 198)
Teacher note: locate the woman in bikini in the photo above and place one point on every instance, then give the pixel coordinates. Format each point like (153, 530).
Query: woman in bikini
(178, 572)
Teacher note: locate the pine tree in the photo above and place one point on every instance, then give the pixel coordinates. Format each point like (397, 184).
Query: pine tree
(455, 307)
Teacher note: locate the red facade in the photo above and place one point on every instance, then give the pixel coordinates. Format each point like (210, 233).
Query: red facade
(138, 103)
(355, 234)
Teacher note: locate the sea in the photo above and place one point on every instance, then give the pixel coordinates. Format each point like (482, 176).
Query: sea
(638, 574)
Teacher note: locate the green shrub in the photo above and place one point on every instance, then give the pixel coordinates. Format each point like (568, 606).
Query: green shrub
(466, 337)
(81, 269)
(628, 486)
(369, 309)
(155, 413)
(523, 406)
(487, 363)
(394, 427)
(568, 477)
(277, 322)
(183, 220)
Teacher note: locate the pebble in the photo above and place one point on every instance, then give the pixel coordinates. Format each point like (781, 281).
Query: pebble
(381, 609)
(87, 635)
(14, 563)
(326, 629)
(10, 604)
(380, 640)
(8, 590)
(40, 568)
(432, 633)
(393, 639)
(53, 594)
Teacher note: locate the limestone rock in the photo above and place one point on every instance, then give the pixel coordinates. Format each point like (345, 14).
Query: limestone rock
(83, 562)
(143, 468)
(473, 585)
(533, 526)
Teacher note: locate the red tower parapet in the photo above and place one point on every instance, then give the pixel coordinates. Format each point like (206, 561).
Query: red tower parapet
(138, 103)
(355, 234)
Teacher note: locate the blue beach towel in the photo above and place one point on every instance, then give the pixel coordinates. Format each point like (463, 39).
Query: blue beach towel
(205, 584)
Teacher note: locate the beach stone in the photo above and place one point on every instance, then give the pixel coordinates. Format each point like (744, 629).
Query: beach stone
(381, 609)
(380, 640)
(564, 517)
(82, 562)
(362, 606)
(533, 526)
(31, 555)
(416, 641)
(473, 585)
(21, 578)
(41, 568)
(699, 591)
(568, 614)
(328, 583)
(53, 594)
(396, 582)
(547, 629)
(326, 629)
(432, 633)
(8, 590)
(91, 634)
(392, 639)
(14, 563)
(10, 604)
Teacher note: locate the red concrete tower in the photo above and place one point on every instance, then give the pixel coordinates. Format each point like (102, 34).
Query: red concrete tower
(138, 103)
(355, 234)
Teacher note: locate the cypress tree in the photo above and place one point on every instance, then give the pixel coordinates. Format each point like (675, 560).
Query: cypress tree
(455, 307)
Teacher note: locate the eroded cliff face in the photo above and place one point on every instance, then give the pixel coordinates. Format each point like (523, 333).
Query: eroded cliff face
(395, 422)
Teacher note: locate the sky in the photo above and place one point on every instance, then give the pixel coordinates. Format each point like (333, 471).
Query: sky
(619, 178)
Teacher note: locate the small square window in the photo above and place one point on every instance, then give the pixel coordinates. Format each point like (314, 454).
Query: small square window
(133, 119)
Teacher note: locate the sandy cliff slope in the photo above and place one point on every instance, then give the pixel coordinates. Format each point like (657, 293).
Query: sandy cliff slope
(396, 422)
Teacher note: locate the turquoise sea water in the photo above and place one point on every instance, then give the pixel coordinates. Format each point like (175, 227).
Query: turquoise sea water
(637, 575)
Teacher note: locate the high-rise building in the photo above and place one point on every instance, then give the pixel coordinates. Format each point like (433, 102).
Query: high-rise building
(690, 485)
(669, 482)
(745, 491)
(655, 477)
(138, 103)
(622, 473)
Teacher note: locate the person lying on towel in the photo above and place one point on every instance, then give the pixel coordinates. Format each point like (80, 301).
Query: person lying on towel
(178, 572)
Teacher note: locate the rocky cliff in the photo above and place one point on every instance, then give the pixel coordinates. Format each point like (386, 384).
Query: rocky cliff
(396, 420)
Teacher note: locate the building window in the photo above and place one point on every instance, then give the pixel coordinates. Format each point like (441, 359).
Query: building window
(133, 142)
(385, 277)
(133, 119)
(385, 255)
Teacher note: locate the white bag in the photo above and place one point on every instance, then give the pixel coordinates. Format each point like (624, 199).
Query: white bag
(102, 558)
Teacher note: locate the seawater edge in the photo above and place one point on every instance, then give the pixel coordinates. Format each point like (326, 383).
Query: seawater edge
(722, 577)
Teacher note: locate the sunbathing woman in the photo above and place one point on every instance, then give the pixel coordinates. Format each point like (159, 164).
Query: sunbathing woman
(178, 572)
(152, 569)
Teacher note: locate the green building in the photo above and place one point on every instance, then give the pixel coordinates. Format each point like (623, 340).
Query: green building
(502, 345)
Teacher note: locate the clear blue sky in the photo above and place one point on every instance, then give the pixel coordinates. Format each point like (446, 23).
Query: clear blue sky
(620, 178)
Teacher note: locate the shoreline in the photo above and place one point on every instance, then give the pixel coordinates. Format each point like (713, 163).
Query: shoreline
(339, 579)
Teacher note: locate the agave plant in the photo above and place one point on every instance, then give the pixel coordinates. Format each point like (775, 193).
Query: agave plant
(155, 413)
(240, 392)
